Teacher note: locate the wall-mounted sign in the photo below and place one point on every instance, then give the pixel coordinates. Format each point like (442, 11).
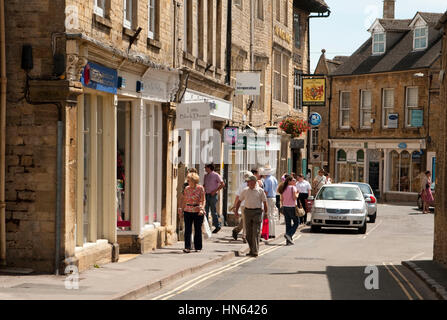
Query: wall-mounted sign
(248, 83)
(231, 134)
(393, 120)
(283, 35)
(402, 145)
(417, 118)
(314, 91)
(315, 119)
(187, 113)
(97, 77)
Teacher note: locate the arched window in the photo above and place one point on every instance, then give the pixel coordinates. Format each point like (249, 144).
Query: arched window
(360, 156)
(341, 155)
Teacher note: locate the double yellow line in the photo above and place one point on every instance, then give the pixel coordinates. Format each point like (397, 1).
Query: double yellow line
(402, 286)
(211, 274)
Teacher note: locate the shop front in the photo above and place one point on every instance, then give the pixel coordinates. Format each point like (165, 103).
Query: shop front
(393, 168)
(95, 226)
(139, 160)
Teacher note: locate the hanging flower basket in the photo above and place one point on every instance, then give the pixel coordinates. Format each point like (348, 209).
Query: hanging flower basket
(294, 126)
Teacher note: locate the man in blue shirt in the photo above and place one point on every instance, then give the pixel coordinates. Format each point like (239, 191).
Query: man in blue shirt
(270, 186)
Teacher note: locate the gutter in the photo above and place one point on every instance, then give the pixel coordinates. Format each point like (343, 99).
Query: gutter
(3, 134)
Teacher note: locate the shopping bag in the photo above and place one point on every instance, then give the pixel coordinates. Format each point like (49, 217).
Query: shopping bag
(206, 229)
(265, 229)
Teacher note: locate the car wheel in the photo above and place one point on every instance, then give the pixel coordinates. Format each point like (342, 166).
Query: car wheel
(372, 219)
(362, 230)
(420, 202)
(315, 229)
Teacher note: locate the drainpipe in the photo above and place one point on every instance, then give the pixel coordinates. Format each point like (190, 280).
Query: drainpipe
(3, 134)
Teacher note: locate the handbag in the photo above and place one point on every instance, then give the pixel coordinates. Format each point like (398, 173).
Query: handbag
(299, 212)
(265, 229)
(206, 229)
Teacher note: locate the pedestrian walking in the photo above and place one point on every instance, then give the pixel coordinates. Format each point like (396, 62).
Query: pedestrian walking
(270, 187)
(240, 227)
(319, 181)
(256, 173)
(192, 210)
(212, 183)
(309, 175)
(254, 198)
(289, 195)
(304, 189)
(328, 178)
(426, 194)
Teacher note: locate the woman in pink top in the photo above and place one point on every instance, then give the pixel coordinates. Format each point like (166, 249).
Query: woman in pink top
(193, 211)
(289, 194)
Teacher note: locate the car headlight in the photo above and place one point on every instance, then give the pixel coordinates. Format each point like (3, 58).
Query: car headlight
(319, 210)
(358, 211)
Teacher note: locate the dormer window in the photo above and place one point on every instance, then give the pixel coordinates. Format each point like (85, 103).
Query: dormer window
(378, 43)
(420, 38)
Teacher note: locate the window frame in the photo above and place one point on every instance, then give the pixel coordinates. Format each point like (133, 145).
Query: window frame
(296, 30)
(239, 4)
(344, 109)
(297, 90)
(260, 9)
(286, 13)
(384, 117)
(314, 140)
(364, 110)
(100, 11)
(151, 18)
(425, 28)
(278, 10)
(408, 107)
(128, 23)
(374, 42)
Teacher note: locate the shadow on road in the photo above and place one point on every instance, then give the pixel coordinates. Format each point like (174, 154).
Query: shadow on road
(333, 231)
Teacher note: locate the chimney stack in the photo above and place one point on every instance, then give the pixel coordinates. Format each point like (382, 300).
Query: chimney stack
(388, 9)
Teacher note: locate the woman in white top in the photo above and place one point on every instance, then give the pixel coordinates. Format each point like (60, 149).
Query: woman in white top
(304, 189)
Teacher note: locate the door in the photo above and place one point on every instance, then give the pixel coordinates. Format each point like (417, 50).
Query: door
(374, 181)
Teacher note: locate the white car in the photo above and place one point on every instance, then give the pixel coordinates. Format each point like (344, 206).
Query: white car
(341, 206)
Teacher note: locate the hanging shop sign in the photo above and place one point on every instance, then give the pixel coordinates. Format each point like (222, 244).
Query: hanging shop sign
(97, 77)
(315, 119)
(187, 113)
(219, 109)
(314, 91)
(393, 120)
(248, 83)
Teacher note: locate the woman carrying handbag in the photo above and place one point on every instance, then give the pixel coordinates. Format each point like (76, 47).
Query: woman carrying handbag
(289, 194)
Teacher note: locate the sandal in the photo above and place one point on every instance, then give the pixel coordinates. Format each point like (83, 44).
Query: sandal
(186, 250)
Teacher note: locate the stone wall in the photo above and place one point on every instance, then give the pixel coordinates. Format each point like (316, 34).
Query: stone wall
(440, 238)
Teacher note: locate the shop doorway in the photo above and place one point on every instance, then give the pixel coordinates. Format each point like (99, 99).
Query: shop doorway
(374, 177)
(123, 165)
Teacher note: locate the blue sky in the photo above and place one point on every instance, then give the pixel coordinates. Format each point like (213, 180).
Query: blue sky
(346, 28)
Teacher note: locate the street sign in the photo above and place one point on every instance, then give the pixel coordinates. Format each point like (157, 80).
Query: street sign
(315, 119)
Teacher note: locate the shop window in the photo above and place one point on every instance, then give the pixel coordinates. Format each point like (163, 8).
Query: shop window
(341, 155)
(405, 171)
(152, 128)
(360, 156)
(352, 170)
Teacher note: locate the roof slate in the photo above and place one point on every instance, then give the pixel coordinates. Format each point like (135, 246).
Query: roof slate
(400, 56)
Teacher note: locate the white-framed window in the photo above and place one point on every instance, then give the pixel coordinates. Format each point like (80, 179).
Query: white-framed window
(100, 7)
(315, 133)
(297, 87)
(411, 104)
(128, 4)
(345, 109)
(365, 109)
(379, 43)
(151, 18)
(387, 105)
(420, 38)
(281, 77)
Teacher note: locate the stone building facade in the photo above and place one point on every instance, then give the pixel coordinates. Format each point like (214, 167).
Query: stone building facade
(385, 106)
(440, 238)
(111, 88)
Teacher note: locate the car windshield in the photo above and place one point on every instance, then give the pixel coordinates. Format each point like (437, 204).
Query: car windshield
(340, 193)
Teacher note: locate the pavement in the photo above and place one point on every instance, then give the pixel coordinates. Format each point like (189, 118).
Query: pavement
(432, 273)
(133, 276)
